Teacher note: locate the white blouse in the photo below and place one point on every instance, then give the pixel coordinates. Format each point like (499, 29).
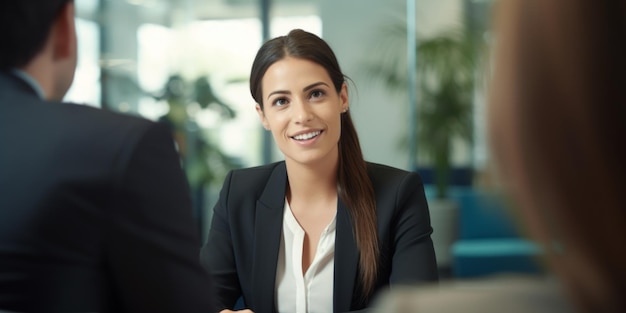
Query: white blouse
(313, 292)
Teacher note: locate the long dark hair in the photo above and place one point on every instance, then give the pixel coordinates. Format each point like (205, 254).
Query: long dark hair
(353, 184)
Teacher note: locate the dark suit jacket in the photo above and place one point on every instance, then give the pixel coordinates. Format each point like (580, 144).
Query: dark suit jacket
(95, 212)
(244, 239)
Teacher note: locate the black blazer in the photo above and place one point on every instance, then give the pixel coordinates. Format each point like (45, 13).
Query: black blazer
(244, 239)
(95, 212)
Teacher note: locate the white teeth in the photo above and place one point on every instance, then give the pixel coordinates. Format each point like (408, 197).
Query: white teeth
(307, 136)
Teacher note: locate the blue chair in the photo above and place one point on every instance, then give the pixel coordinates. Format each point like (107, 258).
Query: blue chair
(489, 241)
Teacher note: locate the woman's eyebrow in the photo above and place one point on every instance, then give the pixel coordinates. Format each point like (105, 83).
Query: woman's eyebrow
(311, 86)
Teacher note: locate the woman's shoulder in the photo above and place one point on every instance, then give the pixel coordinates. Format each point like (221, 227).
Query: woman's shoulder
(257, 177)
(504, 294)
(382, 174)
(261, 170)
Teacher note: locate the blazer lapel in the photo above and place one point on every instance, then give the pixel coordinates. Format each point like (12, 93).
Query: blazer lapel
(346, 260)
(268, 229)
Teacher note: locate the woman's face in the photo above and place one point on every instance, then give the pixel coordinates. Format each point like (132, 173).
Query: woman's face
(302, 110)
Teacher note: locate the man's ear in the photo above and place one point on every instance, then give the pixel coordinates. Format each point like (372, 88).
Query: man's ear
(64, 33)
(261, 114)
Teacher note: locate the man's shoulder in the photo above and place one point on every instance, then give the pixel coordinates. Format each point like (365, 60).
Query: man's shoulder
(95, 122)
(26, 115)
(94, 129)
(98, 115)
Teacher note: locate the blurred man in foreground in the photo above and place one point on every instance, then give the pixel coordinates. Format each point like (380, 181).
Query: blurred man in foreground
(95, 214)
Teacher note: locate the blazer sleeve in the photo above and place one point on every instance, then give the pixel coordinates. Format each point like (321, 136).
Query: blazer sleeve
(217, 255)
(152, 245)
(413, 258)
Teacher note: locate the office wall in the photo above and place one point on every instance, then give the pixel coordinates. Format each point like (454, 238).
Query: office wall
(353, 28)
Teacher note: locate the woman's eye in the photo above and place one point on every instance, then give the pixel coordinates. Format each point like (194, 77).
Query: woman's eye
(280, 102)
(317, 93)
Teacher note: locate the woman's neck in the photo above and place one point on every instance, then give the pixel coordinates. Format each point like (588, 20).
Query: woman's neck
(312, 183)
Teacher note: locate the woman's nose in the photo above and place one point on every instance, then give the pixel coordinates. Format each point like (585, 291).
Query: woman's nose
(302, 112)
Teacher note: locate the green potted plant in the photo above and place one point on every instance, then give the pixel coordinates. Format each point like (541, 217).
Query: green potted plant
(447, 75)
(203, 160)
(447, 67)
(447, 70)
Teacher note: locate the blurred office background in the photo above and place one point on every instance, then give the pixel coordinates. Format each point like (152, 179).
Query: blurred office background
(186, 63)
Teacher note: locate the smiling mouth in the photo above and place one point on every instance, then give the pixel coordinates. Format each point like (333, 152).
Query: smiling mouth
(307, 136)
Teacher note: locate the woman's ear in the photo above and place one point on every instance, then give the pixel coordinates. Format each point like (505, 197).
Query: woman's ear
(343, 98)
(261, 114)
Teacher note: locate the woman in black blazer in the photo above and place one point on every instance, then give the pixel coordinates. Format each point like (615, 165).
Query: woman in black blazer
(322, 231)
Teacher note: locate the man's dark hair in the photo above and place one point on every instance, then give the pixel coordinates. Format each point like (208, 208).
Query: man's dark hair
(25, 26)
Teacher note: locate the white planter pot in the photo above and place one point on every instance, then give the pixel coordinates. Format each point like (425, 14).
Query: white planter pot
(443, 219)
